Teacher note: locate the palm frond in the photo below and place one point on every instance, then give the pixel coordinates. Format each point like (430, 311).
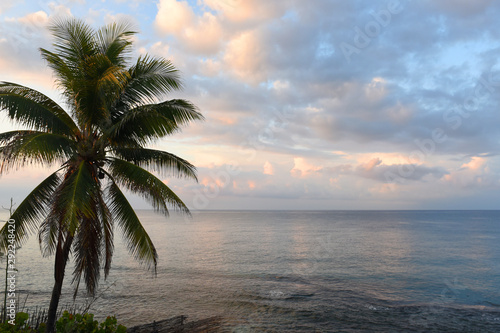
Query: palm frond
(107, 226)
(73, 40)
(34, 147)
(114, 41)
(76, 195)
(179, 111)
(31, 211)
(151, 122)
(65, 76)
(48, 232)
(7, 137)
(35, 110)
(101, 84)
(158, 161)
(140, 181)
(138, 241)
(141, 126)
(86, 251)
(151, 79)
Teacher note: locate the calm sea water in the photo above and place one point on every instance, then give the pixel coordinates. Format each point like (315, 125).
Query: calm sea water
(302, 271)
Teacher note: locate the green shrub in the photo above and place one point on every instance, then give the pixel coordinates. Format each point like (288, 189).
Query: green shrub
(19, 326)
(85, 323)
(68, 323)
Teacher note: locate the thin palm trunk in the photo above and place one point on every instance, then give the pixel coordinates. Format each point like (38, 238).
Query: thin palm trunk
(62, 256)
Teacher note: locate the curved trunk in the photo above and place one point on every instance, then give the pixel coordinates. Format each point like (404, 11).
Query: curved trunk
(62, 256)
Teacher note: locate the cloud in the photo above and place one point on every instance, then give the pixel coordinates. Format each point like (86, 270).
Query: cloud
(173, 16)
(268, 169)
(38, 20)
(302, 168)
(475, 175)
(245, 58)
(248, 11)
(475, 163)
(370, 164)
(302, 122)
(376, 169)
(200, 34)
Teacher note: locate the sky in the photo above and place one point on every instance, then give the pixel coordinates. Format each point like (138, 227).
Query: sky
(321, 104)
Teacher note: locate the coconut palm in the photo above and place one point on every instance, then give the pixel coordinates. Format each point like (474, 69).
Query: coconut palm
(115, 109)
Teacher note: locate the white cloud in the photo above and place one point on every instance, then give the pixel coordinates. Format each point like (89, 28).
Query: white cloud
(37, 20)
(302, 168)
(245, 11)
(173, 16)
(245, 58)
(205, 36)
(200, 34)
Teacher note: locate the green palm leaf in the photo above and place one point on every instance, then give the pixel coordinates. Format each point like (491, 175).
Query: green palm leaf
(73, 40)
(31, 211)
(114, 41)
(87, 253)
(140, 181)
(66, 76)
(153, 121)
(76, 196)
(140, 126)
(151, 79)
(138, 241)
(158, 161)
(107, 225)
(34, 110)
(48, 233)
(31, 146)
(179, 111)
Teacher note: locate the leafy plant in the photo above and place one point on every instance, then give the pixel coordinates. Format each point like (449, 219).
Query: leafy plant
(20, 324)
(78, 323)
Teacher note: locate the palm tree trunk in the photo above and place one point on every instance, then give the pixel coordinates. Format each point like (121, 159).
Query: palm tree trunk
(62, 255)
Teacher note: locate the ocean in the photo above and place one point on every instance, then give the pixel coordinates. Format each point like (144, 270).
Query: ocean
(300, 271)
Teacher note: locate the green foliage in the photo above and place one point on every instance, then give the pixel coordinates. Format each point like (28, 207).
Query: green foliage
(20, 324)
(78, 323)
(68, 323)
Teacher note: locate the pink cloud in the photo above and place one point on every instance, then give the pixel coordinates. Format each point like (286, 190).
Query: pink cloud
(368, 166)
(302, 168)
(475, 163)
(245, 57)
(268, 168)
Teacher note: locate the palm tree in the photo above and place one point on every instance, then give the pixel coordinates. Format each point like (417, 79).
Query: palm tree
(115, 109)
